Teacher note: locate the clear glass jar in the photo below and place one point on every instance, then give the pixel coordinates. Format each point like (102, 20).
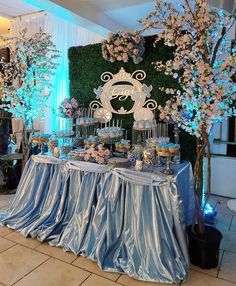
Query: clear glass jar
(136, 153)
(148, 155)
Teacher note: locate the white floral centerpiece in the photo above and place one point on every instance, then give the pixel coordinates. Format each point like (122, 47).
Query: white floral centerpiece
(122, 46)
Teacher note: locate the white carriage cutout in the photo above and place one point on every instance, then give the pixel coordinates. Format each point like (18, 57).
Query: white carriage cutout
(121, 86)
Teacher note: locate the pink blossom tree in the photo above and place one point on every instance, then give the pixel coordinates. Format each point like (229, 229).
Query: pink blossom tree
(26, 79)
(203, 64)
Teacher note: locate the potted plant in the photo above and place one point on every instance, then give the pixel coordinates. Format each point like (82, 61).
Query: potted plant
(203, 66)
(26, 80)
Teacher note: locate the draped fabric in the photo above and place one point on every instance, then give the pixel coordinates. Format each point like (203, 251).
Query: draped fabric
(128, 222)
(64, 35)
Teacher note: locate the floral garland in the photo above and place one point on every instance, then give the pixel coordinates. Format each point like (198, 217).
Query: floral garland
(101, 155)
(69, 108)
(122, 46)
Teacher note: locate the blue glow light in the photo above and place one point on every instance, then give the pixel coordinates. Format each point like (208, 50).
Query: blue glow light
(209, 213)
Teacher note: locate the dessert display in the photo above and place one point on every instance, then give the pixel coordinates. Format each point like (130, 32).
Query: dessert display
(144, 124)
(85, 121)
(91, 141)
(110, 132)
(123, 146)
(86, 117)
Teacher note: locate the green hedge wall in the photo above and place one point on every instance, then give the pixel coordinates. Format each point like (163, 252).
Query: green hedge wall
(86, 66)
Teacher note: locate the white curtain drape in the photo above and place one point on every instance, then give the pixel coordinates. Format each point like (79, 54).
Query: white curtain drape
(64, 35)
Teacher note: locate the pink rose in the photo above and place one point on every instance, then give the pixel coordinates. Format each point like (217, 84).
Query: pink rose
(130, 46)
(101, 153)
(125, 57)
(68, 105)
(75, 105)
(111, 51)
(119, 58)
(94, 154)
(162, 115)
(125, 35)
(137, 39)
(100, 147)
(116, 50)
(90, 150)
(100, 160)
(117, 42)
(69, 112)
(107, 153)
(135, 52)
(87, 157)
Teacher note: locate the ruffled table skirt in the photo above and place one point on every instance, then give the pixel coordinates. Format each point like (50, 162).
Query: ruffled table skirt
(128, 222)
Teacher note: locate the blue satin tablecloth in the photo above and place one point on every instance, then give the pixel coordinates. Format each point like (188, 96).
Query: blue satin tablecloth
(128, 222)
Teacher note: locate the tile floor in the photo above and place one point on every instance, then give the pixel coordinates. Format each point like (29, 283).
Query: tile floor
(27, 262)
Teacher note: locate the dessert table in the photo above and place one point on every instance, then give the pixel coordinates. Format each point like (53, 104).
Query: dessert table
(127, 221)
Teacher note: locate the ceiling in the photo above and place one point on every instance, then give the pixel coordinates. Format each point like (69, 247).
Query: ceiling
(12, 8)
(100, 16)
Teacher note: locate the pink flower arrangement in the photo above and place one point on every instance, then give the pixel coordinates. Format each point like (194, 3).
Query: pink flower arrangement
(122, 46)
(98, 155)
(69, 108)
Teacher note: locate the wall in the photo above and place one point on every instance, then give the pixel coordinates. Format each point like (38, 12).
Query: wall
(86, 66)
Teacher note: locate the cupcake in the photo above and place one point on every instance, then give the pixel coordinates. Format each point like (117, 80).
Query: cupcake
(165, 148)
(159, 148)
(174, 148)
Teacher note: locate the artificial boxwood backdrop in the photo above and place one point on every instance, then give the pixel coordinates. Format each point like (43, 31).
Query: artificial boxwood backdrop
(86, 66)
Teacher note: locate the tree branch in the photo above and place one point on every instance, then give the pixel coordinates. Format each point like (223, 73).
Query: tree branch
(223, 32)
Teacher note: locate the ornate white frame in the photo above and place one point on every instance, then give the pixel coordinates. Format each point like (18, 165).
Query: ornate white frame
(112, 89)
